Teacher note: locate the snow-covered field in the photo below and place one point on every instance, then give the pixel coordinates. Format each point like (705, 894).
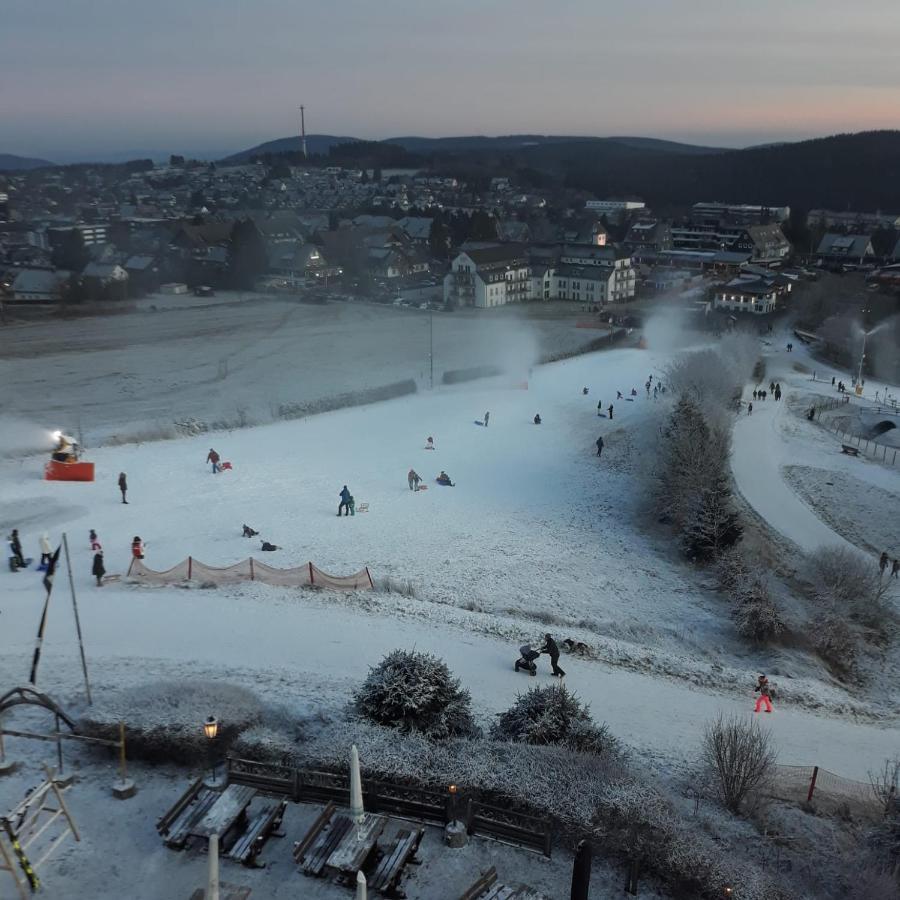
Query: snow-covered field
(537, 535)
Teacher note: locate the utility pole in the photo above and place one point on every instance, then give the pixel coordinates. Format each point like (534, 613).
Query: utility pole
(303, 134)
(431, 348)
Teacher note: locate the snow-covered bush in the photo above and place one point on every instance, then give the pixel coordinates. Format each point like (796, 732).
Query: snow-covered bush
(837, 644)
(754, 612)
(553, 715)
(739, 758)
(416, 692)
(712, 524)
(849, 583)
(164, 719)
(734, 568)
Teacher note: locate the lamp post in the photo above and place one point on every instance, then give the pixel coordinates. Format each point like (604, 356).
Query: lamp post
(211, 729)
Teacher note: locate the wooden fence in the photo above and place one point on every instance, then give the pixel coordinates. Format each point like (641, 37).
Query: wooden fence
(420, 804)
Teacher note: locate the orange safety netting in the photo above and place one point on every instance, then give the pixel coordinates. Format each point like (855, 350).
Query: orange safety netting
(251, 570)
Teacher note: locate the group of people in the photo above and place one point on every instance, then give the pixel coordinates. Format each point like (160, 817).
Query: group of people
(883, 563)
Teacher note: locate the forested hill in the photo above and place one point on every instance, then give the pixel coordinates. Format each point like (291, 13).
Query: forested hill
(848, 171)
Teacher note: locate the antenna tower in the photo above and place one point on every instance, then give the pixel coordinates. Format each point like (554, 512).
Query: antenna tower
(303, 134)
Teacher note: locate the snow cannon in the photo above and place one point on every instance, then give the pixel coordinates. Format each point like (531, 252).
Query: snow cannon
(64, 464)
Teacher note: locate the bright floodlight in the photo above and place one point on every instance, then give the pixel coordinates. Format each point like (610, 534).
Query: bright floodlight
(56, 435)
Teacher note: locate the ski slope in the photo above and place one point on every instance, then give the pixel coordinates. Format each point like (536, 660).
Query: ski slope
(536, 526)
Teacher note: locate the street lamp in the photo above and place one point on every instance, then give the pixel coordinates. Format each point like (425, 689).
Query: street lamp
(211, 729)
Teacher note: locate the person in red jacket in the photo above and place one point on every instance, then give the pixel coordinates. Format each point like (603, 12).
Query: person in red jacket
(213, 457)
(764, 699)
(137, 548)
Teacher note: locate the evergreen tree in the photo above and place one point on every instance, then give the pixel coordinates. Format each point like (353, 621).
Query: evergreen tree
(247, 258)
(69, 252)
(439, 239)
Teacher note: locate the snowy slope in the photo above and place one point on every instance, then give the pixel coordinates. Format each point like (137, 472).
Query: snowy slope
(537, 528)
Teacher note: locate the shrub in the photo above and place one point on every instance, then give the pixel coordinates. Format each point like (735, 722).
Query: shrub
(836, 643)
(164, 720)
(755, 613)
(416, 692)
(739, 758)
(848, 583)
(552, 715)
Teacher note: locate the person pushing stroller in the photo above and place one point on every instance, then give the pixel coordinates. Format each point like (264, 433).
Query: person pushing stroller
(526, 660)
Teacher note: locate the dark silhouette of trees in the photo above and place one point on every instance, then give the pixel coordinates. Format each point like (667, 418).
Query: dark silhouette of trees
(247, 258)
(68, 250)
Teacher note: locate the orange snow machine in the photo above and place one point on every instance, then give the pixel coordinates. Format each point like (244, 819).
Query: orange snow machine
(68, 471)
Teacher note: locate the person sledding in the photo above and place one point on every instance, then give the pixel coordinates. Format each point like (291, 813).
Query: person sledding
(267, 547)
(444, 479)
(412, 479)
(346, 497)
(137, 548)
(552, 650)
(429, 443)
(213, 457)
(249, 532)
(537, 419)
(765, 694)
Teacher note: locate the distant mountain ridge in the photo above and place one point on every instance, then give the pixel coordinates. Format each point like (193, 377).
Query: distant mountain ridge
(322, 143)
(9, 162)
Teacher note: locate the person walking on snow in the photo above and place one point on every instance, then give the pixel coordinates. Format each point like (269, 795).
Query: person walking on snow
(754, 395)
(610, 410)
(618, 395)
(123, 485)
(137, 548)
(749, 409)
(584, 391)
(883, 563)
(15, 545)
(599, 445)
(551, 649)
(98, 569)
(95, 541)
(413, 478)
(599, 407)
(46, 550)
(764, 699)
(345, 501)
(213, 457)
(895, 569)
(487, 416)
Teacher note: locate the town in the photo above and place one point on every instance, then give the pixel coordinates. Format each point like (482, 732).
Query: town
(109, 234)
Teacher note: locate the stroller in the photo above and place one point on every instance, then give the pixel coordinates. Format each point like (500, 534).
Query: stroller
(527, 659)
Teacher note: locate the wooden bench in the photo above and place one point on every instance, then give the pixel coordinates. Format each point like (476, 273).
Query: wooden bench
(177, 824)
(401, 851)
(263, 824)
(323, 837)
(850, 451)
(226, 892)
(487, 888)
(229, 808)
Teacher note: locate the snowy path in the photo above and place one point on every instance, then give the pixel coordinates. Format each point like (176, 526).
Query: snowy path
(309, 645)
(758, 454)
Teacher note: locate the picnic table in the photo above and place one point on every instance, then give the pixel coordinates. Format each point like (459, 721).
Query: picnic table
(488, 888)
(400, 852)
(231, 805)
(355, 847)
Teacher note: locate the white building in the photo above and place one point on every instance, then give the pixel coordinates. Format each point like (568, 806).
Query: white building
(743, 213)
(498, 274)
(614, 207)
(758, 296)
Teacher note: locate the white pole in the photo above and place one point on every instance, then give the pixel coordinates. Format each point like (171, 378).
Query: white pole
(360, 886)
(357, 813)
(212, 890)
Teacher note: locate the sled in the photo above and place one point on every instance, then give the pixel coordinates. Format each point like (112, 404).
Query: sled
(110, 579)
(224, 466)
(68, 471)
(422, 487)
(629, 399)
(479, 422)
(14, 567)
(362, 507)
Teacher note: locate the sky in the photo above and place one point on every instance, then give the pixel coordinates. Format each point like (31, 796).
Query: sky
(85, 79)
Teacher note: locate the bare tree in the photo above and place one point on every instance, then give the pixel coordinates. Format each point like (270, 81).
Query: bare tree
(886, 784)
(739, 757)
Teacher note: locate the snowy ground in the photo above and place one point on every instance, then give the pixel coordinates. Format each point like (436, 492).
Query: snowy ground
(227, 358)
(537, 535)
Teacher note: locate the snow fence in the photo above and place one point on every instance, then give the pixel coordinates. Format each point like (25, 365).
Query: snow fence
(251, 570)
